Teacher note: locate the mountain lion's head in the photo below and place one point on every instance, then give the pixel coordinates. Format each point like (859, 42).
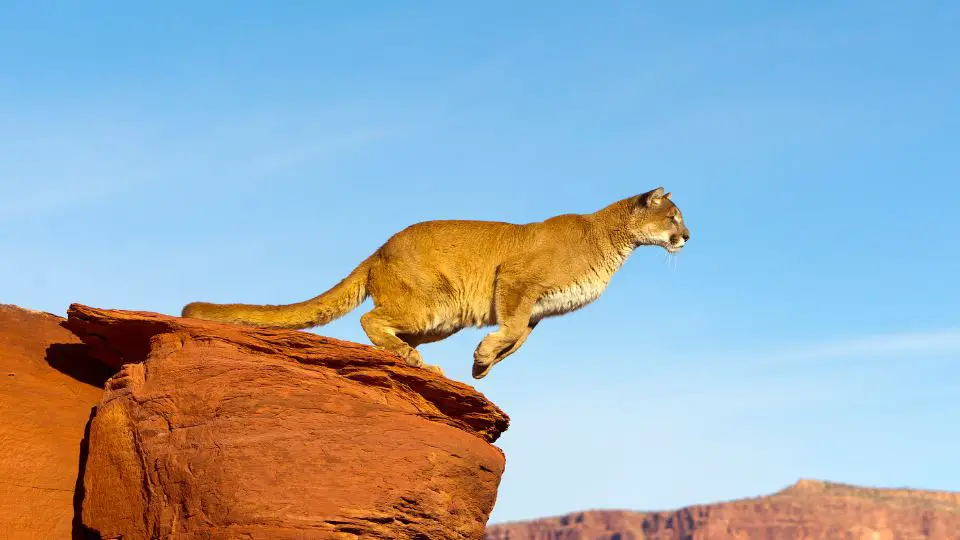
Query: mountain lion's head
(657, 221)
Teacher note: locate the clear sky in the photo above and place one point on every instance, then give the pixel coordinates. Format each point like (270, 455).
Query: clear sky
(152, 155)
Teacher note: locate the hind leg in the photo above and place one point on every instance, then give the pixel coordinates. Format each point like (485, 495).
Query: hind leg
(384, 330)
(415, 340)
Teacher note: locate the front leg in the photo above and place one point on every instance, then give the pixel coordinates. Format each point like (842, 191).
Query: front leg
(519, 342)
(514, 310)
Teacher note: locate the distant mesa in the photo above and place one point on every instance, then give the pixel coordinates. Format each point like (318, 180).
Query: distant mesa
(809, 509)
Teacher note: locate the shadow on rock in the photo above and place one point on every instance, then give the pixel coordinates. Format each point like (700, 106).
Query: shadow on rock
(72, 360)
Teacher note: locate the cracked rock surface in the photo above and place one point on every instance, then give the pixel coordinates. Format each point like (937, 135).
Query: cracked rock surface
(219, 431)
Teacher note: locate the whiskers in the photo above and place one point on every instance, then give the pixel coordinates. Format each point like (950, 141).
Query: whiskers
(672, 260)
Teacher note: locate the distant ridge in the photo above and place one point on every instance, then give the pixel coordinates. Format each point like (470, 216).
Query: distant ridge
(806, 509)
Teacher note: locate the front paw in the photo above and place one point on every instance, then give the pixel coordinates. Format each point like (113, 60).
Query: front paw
(481, 367)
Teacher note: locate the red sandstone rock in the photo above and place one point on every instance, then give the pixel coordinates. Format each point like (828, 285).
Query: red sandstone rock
(48, 390)
(228, 432)
(231, 432)
(808, 510)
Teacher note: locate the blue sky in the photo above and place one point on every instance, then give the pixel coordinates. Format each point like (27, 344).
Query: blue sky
(239, 151)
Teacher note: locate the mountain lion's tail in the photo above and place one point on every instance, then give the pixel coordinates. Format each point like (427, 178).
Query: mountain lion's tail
(319, 310)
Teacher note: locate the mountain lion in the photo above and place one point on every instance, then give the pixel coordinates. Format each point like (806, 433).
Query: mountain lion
(435, 278)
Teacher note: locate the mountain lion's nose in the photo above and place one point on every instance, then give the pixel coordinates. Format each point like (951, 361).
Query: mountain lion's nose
(686, 236)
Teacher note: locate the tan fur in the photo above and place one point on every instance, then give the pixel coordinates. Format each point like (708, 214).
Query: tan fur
(435, 278)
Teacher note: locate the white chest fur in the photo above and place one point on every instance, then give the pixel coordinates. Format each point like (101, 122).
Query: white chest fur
(569, 298)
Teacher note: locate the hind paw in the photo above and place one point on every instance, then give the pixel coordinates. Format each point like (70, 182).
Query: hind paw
(436, 369)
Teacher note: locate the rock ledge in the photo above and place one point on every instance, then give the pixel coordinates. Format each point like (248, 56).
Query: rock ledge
(220, 431)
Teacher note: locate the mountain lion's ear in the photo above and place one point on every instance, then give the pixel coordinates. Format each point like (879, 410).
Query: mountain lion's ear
(651, 198)
(667, 196)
